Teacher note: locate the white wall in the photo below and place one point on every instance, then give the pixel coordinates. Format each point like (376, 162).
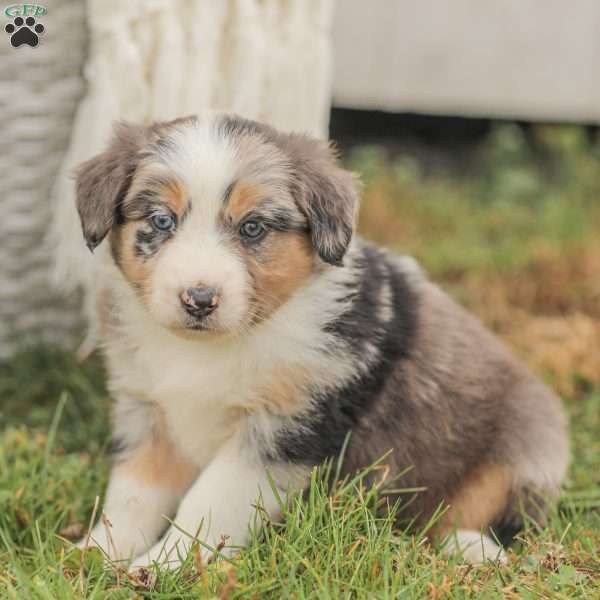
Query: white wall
(530, 59)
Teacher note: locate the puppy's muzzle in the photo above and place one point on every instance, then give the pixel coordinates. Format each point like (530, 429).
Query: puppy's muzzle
(200, 301)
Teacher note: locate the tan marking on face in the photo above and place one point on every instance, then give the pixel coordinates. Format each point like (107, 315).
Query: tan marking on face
(282, 262)
(282, 266)
(243, 198)
(480, 499)
(135, 269)
(158, 463)
(153, 181)
(175, 197)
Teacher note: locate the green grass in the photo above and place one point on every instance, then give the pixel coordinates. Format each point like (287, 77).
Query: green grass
(334, 544)
(331, 545)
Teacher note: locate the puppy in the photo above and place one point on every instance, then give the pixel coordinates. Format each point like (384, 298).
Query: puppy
(249, 333)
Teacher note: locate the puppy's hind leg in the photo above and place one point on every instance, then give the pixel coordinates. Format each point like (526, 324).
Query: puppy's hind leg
(475, 547)
(479, 500)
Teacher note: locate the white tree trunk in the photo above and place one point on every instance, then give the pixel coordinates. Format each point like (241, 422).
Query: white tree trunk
(158, 59)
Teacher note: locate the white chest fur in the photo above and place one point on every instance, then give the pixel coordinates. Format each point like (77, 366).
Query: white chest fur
(196, 385)
(200, 385)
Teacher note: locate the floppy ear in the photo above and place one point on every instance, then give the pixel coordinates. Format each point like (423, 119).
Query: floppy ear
(326, 194)
(103, 181)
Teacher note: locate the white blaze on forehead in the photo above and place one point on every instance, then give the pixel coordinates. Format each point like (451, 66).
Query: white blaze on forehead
(204, 160)
(198, 256)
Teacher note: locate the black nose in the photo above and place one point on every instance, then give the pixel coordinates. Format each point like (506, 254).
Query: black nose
(200, 301)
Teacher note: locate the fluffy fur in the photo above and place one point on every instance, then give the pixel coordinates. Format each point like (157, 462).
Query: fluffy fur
(312, 334)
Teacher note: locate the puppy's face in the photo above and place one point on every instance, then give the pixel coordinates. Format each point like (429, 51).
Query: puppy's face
(216, 222)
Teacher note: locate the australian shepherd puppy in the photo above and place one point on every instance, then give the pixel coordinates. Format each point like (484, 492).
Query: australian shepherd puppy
(248, 334)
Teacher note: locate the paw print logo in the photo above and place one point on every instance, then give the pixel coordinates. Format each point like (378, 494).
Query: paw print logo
(24, 31)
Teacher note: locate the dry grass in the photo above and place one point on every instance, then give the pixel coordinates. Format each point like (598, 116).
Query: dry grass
(527, 264)
(549, 312)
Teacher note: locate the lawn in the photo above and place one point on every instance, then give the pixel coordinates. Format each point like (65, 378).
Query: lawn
(516, 240)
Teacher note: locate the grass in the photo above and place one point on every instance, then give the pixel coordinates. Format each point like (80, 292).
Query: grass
(515, 241)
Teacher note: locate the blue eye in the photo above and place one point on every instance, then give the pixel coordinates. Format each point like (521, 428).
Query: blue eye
(163, 222)
(252, 230)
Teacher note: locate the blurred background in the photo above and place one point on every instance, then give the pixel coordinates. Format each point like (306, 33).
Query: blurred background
(472, 124)
(474, 128)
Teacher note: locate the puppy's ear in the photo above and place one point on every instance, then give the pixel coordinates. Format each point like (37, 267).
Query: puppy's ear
(326, 194)
(102, 182)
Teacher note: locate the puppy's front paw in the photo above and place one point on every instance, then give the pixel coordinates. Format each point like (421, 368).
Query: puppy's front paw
(115, 545)
(173, 549)
(97, 538)
(168, 553)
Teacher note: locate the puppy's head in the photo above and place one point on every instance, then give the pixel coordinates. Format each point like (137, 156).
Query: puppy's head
(216, 222)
